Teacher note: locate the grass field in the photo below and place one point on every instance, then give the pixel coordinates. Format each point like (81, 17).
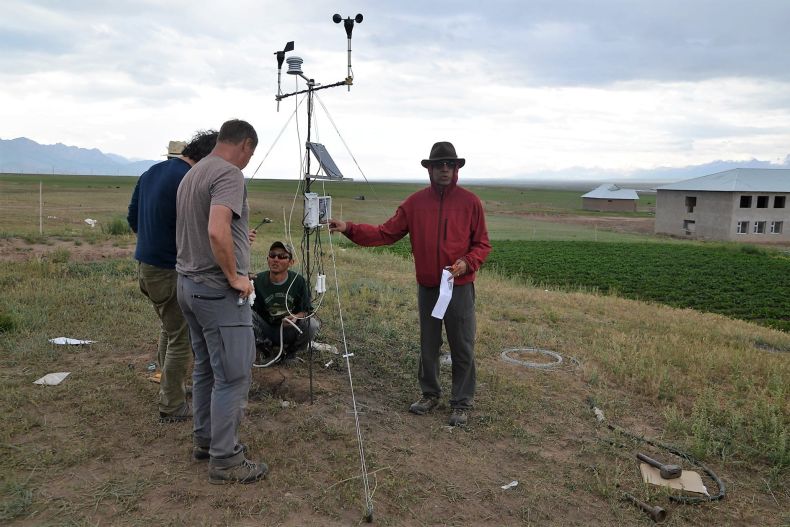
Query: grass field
(69, 200)
(90, 452)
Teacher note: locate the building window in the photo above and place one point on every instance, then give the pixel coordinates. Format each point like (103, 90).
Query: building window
(743, 227)
(779, 202)
(746, 202)
(762, 202)
(759, 227)
(690, 226)
(776, 227)
(691, 202)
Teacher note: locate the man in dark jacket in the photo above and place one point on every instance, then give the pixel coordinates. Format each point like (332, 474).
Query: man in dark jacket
(447, 229)
(152, 215)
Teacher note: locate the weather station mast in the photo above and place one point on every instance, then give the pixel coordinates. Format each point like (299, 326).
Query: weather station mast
(318, 210)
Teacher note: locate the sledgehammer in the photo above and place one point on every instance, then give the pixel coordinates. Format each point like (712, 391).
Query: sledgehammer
(667, 471)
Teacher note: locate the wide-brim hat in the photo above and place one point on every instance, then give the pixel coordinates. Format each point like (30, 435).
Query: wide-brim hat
(174, 148)
(443, 151)
(285, 247)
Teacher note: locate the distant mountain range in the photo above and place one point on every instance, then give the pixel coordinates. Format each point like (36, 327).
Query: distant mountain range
(25, 156)
(583, 177)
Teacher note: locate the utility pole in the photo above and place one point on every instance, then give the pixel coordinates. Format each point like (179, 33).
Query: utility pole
(40, 208)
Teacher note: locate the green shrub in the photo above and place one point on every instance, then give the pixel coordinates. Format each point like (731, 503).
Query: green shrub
(17, 502)
(60, 255)
(117, 227)
(752, 249)
(7, 322)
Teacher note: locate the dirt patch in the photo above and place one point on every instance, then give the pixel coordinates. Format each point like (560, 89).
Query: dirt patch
(20, 250)
(625, 224)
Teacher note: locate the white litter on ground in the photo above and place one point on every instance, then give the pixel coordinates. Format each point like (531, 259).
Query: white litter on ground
(598, 414)
(510, 485)
(63, 341)
(323, 347)
(52, 379)
(91, 222)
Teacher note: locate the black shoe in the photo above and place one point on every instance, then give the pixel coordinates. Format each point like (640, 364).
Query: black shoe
(459, 417)
(200, 453)
(245, 472)
(182, 414)
(424, 405)
(290, 360)
(263, 351)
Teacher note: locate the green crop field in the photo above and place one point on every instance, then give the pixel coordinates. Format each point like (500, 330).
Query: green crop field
(738, 281)
(735, 281)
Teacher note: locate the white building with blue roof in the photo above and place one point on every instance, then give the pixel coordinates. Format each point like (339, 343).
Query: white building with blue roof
(610, 197)
(742, 204)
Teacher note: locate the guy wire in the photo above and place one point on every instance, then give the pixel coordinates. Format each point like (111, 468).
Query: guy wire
(303, 179)
(365, 481)
(282, 130)
(346, 145)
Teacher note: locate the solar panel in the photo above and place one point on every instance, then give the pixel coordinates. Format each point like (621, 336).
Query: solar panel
(325, 160)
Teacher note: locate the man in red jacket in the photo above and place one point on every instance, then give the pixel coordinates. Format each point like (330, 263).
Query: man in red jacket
(447, 229)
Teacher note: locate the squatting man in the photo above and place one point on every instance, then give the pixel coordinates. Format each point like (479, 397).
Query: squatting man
(282, 307)
(447, 230)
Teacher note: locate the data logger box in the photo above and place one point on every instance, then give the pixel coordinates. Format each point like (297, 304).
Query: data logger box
(317, 209)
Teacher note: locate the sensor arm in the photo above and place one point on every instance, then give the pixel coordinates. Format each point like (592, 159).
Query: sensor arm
(348, 24)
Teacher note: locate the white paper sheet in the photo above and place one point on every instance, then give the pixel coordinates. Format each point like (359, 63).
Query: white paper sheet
(52, 379)
(62, 341)
(445, 295)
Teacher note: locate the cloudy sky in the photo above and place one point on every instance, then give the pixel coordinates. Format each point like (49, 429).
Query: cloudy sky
(522, 88)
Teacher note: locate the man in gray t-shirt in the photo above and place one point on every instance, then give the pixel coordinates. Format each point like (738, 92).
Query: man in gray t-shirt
(223, 183)
(213, 292)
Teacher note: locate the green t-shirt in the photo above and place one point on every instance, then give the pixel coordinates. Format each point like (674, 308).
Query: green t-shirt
(270, 299)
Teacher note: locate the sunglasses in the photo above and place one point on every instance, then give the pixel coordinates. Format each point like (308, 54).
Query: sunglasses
(280, 256)
(440, 164)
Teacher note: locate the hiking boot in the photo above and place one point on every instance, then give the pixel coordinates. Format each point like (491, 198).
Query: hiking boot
(263, 351)
(182, 414)
(245, 472)
(459, 417)
(290, 360)
(200, 453)
(424, 405)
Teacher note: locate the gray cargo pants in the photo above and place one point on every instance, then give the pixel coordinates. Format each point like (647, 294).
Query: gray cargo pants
(460, 325)
(224, 346)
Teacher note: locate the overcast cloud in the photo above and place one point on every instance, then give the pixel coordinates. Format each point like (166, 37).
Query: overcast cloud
(521, 88)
